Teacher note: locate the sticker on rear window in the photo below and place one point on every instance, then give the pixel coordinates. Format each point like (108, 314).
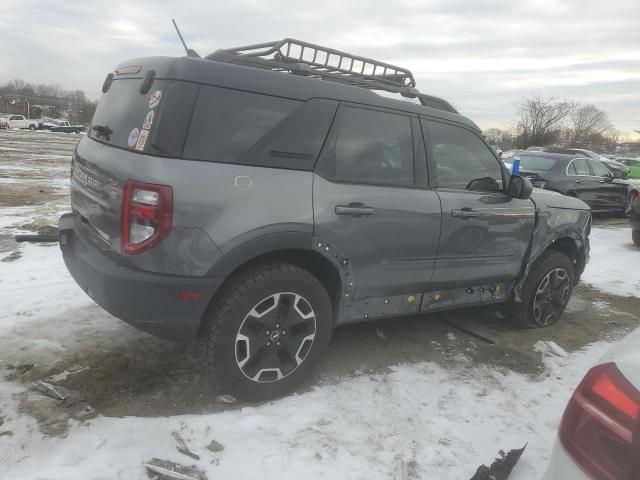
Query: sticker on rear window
(142, 139)
(154, 99)
(133, 137)
(148, 120)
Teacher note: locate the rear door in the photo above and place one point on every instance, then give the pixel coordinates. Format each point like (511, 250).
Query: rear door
(485, 232)
(371, 204)
(582, 181)
(609, 194)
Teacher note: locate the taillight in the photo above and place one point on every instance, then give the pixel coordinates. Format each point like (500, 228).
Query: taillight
(147, 210)
(598, 425)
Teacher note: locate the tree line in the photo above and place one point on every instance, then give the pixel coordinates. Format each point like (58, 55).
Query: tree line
(544, 121)
(45, 100)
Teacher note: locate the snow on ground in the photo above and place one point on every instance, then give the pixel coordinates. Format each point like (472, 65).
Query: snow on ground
(416, 421)
(422, 419)
(613, 267)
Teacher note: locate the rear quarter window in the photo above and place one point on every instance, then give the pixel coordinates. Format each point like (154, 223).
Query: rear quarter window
(226, 123)
(536, 164)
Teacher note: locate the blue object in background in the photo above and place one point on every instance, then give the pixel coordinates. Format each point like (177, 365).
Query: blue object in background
(515, 168)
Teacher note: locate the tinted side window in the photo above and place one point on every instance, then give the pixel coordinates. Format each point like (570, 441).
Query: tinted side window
(599, 170)
(579, 167)
(462, 160)
(226, 123)
(370, 146)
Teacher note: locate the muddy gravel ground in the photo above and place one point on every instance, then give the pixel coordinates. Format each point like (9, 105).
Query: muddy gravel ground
(119, 371)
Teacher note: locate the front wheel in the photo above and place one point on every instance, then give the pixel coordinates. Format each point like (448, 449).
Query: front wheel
(32, 127)
(546, 291)
(267, 332)
(628, 204)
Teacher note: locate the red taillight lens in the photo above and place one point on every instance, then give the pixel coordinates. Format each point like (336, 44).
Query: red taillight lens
(147, 211)
(598, 424)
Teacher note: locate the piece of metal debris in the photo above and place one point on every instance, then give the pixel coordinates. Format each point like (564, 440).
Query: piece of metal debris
(380, 334)
(181, 445)
(6, 433)
(501, 468)
(215, 446)
(164, 470)
(62, 376)
(226, 398)
(48, 390)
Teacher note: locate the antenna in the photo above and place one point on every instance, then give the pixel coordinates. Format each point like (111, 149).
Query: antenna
(190, 52)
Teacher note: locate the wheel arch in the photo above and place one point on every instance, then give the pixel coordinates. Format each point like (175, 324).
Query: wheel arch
(293, 248)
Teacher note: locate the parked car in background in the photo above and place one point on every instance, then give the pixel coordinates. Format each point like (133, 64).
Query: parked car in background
(19, 121)
(46, 123)
(634, 166)
(536, 149)
(4, 121)
(619, 170)
(66, 127)
(578, 176)
(635, 219)
(599, 433)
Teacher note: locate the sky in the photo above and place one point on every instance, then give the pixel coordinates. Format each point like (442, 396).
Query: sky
(483, 56)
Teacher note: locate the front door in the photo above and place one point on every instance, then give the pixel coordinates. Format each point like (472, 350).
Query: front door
(485, 232)
(372, 209)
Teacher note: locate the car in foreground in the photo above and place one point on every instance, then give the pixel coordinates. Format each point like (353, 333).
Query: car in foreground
(254, 199)
(634, 166)
(578, 176)
(619, 170)
(599, 435)
(635, 219)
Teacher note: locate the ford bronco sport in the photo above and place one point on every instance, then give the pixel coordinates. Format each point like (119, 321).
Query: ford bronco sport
(258, 197)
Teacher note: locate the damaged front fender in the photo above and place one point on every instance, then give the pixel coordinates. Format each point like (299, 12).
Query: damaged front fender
(562, 223)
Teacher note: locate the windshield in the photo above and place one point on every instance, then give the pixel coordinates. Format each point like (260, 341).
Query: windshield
(536, 164)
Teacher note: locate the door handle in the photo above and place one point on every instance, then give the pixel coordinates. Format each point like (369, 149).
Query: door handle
(354, 210)
(465, 213)
(578, 181)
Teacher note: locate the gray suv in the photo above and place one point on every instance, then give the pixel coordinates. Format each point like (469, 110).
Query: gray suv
(258, 197)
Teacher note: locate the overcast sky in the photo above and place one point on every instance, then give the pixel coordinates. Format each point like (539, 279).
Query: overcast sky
(481, 55)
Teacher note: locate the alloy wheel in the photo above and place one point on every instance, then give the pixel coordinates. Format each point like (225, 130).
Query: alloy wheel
(275, 337)
(551, 297)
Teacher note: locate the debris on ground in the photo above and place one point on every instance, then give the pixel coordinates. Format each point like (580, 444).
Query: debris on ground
(6, 433)
(18, 370)
(380, 334)
(549, 346)
(215, 447)
(62, 376)
(181, 446)
(48, 390)
(165, 470)
(501, 468)
(225, 398)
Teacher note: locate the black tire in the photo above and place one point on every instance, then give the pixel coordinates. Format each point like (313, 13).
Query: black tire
(252, 304)
(32, 128)
(544, 308)
(635, 235)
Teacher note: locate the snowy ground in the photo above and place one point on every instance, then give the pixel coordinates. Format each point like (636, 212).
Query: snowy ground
(413, 399)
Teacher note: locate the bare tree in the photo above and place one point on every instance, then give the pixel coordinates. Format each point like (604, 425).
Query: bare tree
(493, 135)
(540, 119)
(586, 123)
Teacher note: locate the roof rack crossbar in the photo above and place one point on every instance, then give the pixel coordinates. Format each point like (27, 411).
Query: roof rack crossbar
(303, 58)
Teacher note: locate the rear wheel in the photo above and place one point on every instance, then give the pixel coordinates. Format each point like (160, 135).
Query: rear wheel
(546, 291)
(32, 127)
(635, 235)
(626, 209)
(267, 332)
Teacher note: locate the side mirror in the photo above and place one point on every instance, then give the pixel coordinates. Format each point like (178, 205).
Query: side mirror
(520, 187)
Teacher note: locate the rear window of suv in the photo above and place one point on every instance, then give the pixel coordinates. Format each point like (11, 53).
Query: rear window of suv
(226, 123)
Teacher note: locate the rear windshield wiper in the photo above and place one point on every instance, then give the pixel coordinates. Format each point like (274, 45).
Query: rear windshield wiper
(102, 131)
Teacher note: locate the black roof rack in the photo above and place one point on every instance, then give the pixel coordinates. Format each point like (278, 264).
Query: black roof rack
(304, 58)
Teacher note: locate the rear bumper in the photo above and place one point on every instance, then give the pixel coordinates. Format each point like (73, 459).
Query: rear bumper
(145, 300)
